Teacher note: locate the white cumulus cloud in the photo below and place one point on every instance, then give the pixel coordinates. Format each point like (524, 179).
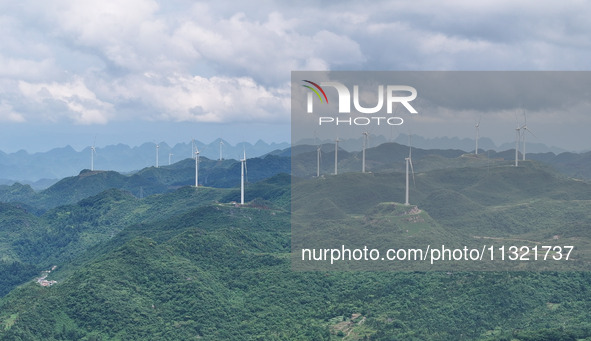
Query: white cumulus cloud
(79, 103)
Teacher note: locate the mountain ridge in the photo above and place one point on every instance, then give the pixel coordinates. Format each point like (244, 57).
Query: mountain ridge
(61, 162)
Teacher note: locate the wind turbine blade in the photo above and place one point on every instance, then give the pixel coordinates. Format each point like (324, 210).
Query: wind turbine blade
(529, 131)
(245, 168)
(412, 170)
(516, 122)
(410, 146)
(94, 145)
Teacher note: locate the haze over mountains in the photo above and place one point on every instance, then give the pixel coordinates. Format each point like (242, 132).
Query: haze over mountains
(300, 161)
(42, 169)
(39, 168)
(465, 144)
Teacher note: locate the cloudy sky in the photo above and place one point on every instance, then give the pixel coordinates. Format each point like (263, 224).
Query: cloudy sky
(138, 71)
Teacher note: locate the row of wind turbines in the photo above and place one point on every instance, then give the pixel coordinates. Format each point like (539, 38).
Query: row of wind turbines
(243, 169)
(336, 155)
(365, 135)
(194, 152)
(520, 134)
(195, 155)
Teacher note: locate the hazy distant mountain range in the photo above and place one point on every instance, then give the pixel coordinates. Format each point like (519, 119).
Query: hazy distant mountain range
(464, 144)
(42, 169)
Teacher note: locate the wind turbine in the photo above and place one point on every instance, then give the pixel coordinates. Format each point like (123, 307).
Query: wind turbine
(157, 147)
(336, 155)
(192, 148)
(525, 130)
(363, 154)
(170, 158)
(409, 162)
(243, 170)
(517, 138)
(477, 136)
(318, 151)
(196, 168)
(92, 152)
(221, 145)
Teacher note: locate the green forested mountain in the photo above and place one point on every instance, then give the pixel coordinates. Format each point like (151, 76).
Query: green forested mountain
(190, 264)
(66, 232)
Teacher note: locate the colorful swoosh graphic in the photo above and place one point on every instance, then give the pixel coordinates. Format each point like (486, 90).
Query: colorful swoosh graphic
(317, 87)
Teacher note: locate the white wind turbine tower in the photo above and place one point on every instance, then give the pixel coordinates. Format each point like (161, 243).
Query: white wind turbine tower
(336, 155)
(477, 136)
(221, 145)
(409, 162)
(517, 138)
(92, 152)
(157, 148)
(170, 158)
(243, 170)
(318, 151)
(365, 135)
(196, 168)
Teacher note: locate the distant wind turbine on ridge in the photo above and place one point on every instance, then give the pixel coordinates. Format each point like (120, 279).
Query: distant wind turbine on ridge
(517, 138)
(336, 155)
(157, 148)
(318, 151)
(192, 148)
(170, 158)
(409, 162)
(92, 152)
(221, 145)
(525, 131)
(243, 170)
(477, 136)
(365, 136)
(196, 168)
